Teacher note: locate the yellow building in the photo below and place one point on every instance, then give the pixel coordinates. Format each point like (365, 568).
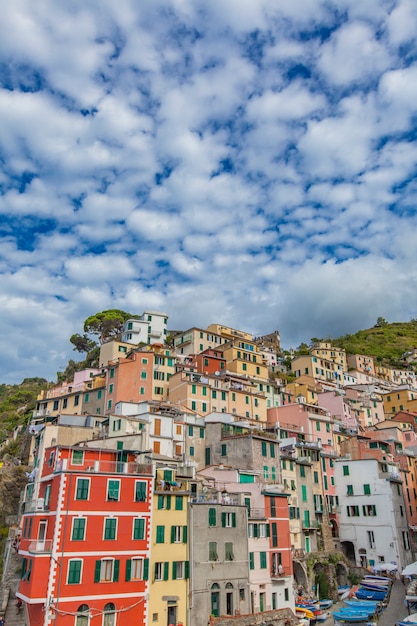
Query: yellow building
(319, 368)
(224, 393)
(169, 559)
(325, 350)
(400, 399)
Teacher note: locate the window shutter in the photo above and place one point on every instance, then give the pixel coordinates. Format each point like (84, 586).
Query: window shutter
(128, 568)
(174, 570)
(255, 530)
(168, 502)
(172, 534)
(212, 517)
(223, 520)
(116, 570)
(97, 572)
(145, 569)
(184, 534)
(141, 528)
(166, 571)
(234, 520)
(160, 502)
(268, 530)
(187, 569)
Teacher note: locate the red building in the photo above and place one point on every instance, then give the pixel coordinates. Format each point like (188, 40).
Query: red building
(86, 539)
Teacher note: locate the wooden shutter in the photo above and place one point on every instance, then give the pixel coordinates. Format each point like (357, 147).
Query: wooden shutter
(128, 568)
(97, 572)
(116, 570)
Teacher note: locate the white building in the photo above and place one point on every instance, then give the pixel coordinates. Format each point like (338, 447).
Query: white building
(372, 521)
(149, 328)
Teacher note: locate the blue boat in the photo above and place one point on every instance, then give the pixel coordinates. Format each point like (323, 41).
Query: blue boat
(368, 594)
(325, 604)
(362, 603)
(353, 617)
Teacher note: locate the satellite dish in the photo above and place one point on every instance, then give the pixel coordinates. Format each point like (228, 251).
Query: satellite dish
(217, 373)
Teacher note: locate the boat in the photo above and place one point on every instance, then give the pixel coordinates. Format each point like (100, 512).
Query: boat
(368, 594)
(373, 587)
(325, 604)
(354, 618)
(321, 616)
(343, 589)
(363, 603)
(304, 612)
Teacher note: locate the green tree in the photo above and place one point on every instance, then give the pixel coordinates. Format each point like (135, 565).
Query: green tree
(380, 322)
(106, 324)
(82, 343)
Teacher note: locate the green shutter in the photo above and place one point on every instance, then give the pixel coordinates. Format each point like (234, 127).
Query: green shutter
(268, 530)
(223, 520)
(160, 534)
(160, 502)
(174, 570)
(97, 572)
(172, 534)
(168, 502)
(166, 571)
(251, 561)
(234, 520)
(184, 534)
(128, 568)
(212, 517)
(116, 570)
(187, 569)
(145, 569)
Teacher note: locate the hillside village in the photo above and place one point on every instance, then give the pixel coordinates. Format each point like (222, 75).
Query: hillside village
(193, 480)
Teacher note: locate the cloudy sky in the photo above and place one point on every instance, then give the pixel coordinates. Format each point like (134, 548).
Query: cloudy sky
(248, 162)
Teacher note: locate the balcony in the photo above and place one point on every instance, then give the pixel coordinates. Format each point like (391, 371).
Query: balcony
(256, 513)
(310, 524)
(280, 573)
(38, 504)
(103, 467)
(40, 547)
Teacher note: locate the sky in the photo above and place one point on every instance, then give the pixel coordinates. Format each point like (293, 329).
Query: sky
(244, 162)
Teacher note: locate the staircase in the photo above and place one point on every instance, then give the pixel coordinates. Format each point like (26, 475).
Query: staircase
(10, 584)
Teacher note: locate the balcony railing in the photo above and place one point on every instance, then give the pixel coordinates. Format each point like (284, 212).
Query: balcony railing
(256, 513)
(40, 547)
(214, 499)
(280, 572)
(103, 467)
(310, 524)
(38, 504)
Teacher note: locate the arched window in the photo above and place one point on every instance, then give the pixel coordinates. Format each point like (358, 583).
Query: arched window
(229, 586)
(109, 617)
(83, 615)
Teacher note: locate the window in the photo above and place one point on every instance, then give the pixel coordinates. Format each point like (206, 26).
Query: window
(139, 528)
(201, 433)
(140, 491)
(191, 451)
(204, 407)
(251, 560)
(302, 471)
(266, 472)
(107, 570)
(214, 394)
(318, 426)
(112, 372)
(212, 517)
(143, 375)
(406, 540)
(110, 525)
(367, 490)
(224, 449)
(113, 490)
(272, 450)
(179, 534)
(82, 489)
(137, 569)
(160, 534)
(274, 533)
(111, 387)
(180, 569)
(228, 520)
(213, 556)
(369, 509)
(76, 400)
(82, 615)
(65, 403)
(99, 394)
(74, 572)
(56, 405)
(263, 448)
(109, 614)
(350, 490)
(371, 538)
(316, 477)
(228, 551)
(161, 571)
(262, 560)
(346, 470)
(304, 493)
(78, 529)
(109, 404)
(47, 497)
(26, 569)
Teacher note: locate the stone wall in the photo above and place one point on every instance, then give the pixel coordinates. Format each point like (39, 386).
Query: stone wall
(280, 617)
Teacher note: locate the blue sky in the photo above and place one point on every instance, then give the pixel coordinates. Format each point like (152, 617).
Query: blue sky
(248, 162)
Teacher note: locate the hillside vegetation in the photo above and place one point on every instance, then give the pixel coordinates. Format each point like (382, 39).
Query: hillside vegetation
(385, 342)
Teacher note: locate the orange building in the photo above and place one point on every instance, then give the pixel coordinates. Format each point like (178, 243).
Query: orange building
(85, 539)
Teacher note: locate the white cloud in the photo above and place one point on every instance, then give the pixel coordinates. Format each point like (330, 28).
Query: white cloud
(245, 162)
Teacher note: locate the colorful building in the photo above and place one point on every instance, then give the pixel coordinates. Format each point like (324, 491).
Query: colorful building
(86, 539)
